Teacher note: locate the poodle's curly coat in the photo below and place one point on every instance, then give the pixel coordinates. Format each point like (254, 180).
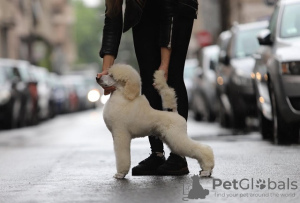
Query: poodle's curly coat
(128, 115)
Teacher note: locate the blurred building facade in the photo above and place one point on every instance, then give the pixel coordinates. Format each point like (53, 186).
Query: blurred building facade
(215, 16)
(38, 31)
(244, 11)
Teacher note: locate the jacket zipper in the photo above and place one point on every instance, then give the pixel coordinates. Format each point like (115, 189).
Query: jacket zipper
(189, 6)
(170, 41)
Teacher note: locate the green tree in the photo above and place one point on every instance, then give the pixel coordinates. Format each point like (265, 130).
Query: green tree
(88, 35)
(87, 29)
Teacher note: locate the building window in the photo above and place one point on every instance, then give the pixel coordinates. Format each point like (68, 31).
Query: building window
(4, 42)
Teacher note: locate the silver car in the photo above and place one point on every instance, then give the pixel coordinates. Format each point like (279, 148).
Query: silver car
(203, 100)
(277, 74)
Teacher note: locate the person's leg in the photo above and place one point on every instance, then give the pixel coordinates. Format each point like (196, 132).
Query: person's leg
(182, 30)
(146, 36)
(146, 44)
(181, 33)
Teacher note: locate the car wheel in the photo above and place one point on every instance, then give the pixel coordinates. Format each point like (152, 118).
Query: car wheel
(211, 116)
(208, 113)
(13, 120)
(29, 112)
(238, 121)
(223, 117)
(196, 114)
(265, 126)
(283, 132)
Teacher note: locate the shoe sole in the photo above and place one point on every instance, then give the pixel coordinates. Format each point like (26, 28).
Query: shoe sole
(183, 171)
(145, 173)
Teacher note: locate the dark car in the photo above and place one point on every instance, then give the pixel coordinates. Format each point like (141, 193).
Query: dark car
(16, 95)
(222, 42)
(33, 89)
(79, 87)
(10, 100)
(277, 74)
(235, 87)
(59, 94)
(203, 99)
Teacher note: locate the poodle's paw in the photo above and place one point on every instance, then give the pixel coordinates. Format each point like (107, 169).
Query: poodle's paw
(206, 173)
(119, 175)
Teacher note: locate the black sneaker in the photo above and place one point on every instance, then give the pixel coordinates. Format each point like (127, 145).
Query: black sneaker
(174, 166)
(148, 166)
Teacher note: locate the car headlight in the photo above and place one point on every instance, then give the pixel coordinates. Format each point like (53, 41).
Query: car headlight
(93, 95)
(292, 68)
(4, 96)
(220, 81)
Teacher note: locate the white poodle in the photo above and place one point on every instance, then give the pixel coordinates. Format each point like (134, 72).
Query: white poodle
(128, 115)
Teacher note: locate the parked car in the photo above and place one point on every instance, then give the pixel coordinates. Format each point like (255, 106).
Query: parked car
(10, 100)
(223, 42)
(19, 88)
(277, 74)
(33, 89)
(81, 89)
(235, 87)
(73, 100)
(189, 69)
(44, 92)
(59, 94)
(203, 99)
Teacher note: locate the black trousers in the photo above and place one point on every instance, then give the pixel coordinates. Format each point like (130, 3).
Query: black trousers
(146, 43)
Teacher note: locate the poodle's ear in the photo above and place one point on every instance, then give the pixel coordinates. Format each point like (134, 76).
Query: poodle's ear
(130, 77)
(132, 89)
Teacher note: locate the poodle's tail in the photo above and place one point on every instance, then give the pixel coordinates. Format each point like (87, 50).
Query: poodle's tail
(168, 95)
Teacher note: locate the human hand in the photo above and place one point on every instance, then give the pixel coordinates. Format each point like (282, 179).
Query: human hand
(107, 90)
(165, 69)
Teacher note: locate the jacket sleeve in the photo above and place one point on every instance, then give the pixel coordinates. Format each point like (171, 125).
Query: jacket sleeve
(112, 32)
(166, 23)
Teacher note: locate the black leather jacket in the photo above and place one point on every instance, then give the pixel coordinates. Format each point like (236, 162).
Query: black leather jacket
(113, 26)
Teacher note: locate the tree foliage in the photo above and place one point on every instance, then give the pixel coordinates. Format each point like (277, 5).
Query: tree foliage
(88, 35)
(87, 31)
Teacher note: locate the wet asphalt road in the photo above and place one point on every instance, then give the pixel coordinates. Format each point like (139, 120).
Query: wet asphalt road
(70, 159)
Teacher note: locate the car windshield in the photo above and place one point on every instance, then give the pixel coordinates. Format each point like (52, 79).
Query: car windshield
(2, 75)
(189, 71)
(24, 72)
(246, 43)
(215, 57)
(40, 75)
(189, 68)
(290, 24)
